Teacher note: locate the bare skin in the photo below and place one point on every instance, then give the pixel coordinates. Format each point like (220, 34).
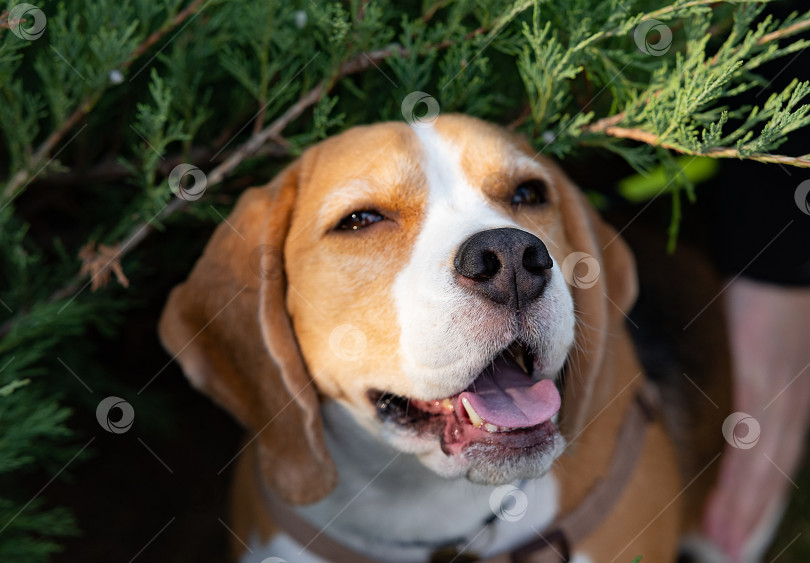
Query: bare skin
(769, 331)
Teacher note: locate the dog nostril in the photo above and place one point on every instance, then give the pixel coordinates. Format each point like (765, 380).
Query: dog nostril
(536, 260)
(477, 264)
(490, 264)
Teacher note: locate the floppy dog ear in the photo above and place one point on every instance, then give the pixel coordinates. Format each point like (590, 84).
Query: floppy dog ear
(228, 327)
(601, 306)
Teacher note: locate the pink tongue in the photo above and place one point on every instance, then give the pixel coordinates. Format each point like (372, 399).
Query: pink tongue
(505, 396)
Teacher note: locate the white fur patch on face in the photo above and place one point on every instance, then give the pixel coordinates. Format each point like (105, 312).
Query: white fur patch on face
(449, 335)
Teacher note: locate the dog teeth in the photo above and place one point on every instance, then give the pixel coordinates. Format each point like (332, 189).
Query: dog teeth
(447, 404)
(476, 420)
(492, 428)
(521, 361)
(521, 357)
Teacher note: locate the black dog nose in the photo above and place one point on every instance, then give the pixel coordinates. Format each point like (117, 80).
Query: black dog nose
(508, 266)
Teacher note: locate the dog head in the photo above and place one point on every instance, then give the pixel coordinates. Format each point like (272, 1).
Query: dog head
(426, 278)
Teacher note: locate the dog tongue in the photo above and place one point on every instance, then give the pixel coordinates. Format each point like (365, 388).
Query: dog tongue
(506, 396)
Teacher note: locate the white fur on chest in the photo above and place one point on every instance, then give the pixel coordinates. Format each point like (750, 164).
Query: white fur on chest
(390, 507)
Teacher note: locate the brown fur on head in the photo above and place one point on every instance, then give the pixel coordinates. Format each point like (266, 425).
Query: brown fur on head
(259, 325)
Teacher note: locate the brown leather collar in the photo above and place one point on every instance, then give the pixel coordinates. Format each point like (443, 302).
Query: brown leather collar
(555, 544)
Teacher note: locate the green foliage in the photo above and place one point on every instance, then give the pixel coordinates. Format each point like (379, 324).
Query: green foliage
(116, 93)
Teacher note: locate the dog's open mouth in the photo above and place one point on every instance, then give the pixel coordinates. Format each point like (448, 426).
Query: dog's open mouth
(504, 406)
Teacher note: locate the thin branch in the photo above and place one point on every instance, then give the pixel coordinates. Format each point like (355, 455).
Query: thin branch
(792, 29)
(18, 181)
(111, 169)
(786, 32)
(648, 16)
(719, 152)
(600, 125)
(141, 230)
(166, 28)
(663, 11)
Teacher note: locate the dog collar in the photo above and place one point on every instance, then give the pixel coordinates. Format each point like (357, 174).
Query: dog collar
(555, 544)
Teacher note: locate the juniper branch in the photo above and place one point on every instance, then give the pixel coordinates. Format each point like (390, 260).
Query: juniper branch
(792, 29)
(600, 125)
(141, 230)
(718, 152)
(23, 176)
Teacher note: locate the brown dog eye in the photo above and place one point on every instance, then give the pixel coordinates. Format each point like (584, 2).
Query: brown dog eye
(531, 192)
(359, 220)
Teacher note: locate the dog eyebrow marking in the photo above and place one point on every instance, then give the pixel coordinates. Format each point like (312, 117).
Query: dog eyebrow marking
(399, 182)
(355, 191)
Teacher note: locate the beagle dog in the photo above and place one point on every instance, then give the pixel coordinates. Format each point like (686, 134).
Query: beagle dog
(422, 328)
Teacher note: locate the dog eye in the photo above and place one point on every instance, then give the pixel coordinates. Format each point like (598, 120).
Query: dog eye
(531, 192)
(359, 220)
